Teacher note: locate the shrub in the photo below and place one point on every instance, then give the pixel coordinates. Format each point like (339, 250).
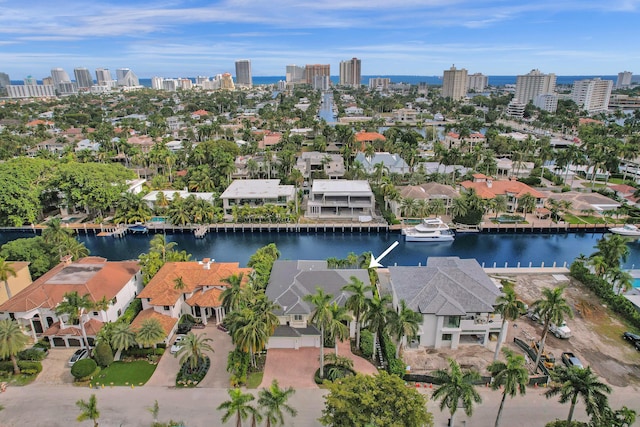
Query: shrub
(32, 354)
(238, 365)
(43, 344)
(103, 354)
(366, 343)
(394, 366)
(7, 366)
(83, 368)
(131, 312)
(565, 423)
(190, 378)
(142, 352)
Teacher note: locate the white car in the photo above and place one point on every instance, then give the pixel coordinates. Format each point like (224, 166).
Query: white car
(177, 344)
(81, 353)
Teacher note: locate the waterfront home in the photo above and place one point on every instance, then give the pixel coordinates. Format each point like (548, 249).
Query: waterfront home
(35, 306)
(584, 202)
(455, 140)
(508, 168)
(153, 196)
(256, 192)
(289, 283)
(364, 138)
(626, 193)
(316, 164)
(193, 287)
(393, 163)
(15, 284)
(488, 188)
(340, 199)
(428, 192)
(455, 297)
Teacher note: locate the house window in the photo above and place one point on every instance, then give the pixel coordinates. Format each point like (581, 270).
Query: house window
(114, 300)
(119, 312)
(297, 317)
(95, 313)
(446, 337)
(452, 321)
(166, 308)
(12, 316)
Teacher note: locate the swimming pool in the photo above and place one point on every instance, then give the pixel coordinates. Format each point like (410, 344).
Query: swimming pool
(71, 219)
(158, 219)
(636, 282)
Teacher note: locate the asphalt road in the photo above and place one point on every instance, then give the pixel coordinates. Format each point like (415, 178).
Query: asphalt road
(51, 406)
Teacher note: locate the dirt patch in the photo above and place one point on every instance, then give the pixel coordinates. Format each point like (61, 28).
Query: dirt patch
(596, 335)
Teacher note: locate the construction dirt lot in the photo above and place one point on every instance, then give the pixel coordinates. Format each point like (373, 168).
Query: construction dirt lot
(596, 335)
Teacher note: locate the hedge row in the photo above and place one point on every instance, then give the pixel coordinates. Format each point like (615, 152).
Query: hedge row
(618, 303)
(131, 312)
(30, 366)
(366, 343)
(394, 365)
(143, 352)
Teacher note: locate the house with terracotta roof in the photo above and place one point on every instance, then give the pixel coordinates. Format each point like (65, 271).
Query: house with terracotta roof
(454, 140)
(200, 294)
(269, 139)
(365, 138)
(15, 284)
(35, 306)
(488, 188)
(626, 192)
(428, 191)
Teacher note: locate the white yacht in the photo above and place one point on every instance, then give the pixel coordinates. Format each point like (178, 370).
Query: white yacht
(429, 230)
(628, 230)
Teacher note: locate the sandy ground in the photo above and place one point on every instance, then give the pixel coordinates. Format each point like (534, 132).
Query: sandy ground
(610, 357)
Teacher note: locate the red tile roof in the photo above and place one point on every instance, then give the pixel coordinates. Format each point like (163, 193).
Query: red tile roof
(91, 327)
(167, 322)
(94, 276)
(500, 187)
(364, 136)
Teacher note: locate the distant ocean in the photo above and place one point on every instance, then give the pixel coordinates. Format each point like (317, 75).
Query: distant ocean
(430, 80)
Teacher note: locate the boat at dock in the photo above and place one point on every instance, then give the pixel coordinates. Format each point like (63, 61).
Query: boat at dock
(627, 230)
(429, 230)
(138, 228)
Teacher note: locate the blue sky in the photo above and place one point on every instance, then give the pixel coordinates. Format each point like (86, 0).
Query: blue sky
(174, 38)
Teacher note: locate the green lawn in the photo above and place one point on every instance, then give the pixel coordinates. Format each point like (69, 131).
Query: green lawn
(254, 379)
(126, 373)
(573, 219)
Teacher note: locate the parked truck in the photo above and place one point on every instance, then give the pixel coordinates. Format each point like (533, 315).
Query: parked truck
(561, 331)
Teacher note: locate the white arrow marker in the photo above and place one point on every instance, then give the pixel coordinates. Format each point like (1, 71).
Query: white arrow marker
(375, 262)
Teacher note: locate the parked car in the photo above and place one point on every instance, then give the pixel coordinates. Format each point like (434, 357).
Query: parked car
(177, 344)
(81, 353)
(561, 331)
(570, 360)
(633, 339)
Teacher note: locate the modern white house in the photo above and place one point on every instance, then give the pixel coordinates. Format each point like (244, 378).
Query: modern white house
(256, 192)
(289, 283)
(393, 163)
(35, 306)
(315, 162)
(151, 198)
(455, 297)
(340, 198)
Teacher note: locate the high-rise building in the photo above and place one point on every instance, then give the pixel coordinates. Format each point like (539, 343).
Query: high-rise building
(4, 80)
(528, 86)
(30, 80)
(311, 71)
(454, 83)
(295, 74)
(226, 82)
(243, 73)
(59, 75)
(103, 77)
(350, 72)
(547, 102)
(592, 95)
(83, 77)
(624, 79)
(380, 84)
(47, 81)
(156, 82)
(31, 91)
(477, 82)
(126, 77)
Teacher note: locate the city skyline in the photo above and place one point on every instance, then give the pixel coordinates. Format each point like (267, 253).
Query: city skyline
(418, 37)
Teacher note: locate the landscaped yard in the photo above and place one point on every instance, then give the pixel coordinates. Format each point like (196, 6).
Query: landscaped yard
(573, 219)
(126, 373)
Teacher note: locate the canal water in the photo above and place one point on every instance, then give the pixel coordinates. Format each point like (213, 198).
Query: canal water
(488, 249)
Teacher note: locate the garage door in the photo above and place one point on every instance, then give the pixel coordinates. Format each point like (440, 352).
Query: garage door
(310, 341)
(282, 342)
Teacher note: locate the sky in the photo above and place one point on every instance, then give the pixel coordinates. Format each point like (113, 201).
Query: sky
(188, 38)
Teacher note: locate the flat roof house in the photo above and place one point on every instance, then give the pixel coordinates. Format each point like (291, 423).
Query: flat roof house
(35, 306)
(290, 281)
(340, 198)
(256, 192)
(455, 297)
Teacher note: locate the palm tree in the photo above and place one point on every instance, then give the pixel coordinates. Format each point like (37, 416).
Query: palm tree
(552, 308)
(74, 306)
(232, 295)
(456, 389)
(192, 348)
(55, 234)
(6, 270)
(238, 406)
(150, 333)
(513, 375)
(527, 202)
(12, 341)
(510, 308)
(337, 327)
(499, 204)
(89, 410)
(321, 317)
(160, 245)
(178, 284)
(574, 382)
(613, 249)
(357, 301)
(273, 401)
(377, 316)
(403, 323)
(122, 336)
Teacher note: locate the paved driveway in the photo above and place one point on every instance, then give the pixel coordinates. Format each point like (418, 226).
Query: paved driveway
(295, 368)
(217, 377)
(55, 368)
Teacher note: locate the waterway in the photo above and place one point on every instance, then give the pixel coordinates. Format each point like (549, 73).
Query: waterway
(488, 249)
